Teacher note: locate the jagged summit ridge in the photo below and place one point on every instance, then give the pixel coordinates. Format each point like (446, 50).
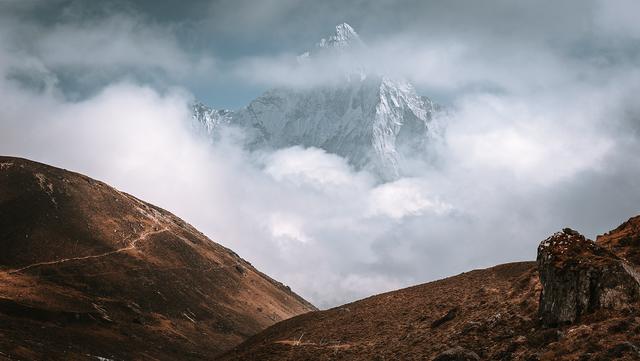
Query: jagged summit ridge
(344, 36)
(344, 41)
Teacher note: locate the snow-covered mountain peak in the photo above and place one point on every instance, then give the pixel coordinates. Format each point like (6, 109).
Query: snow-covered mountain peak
(375, 122)
(344, 31)
(344, 37)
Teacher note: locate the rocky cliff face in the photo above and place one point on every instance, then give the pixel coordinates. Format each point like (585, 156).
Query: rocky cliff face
(579, 276)
(373, 122)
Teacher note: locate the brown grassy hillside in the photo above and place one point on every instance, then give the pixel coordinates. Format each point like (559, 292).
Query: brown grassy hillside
(492, 314)
(86, 270)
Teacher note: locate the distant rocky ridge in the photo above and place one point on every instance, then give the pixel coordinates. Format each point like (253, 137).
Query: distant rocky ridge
(375, 122)
(208, 120)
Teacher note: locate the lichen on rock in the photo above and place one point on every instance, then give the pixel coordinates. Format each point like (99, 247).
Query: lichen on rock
(578, 277)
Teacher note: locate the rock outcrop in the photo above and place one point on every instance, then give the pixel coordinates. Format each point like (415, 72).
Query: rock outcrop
(457, 354)
(578, 277)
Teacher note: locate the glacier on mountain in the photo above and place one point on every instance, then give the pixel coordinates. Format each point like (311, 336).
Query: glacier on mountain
(374, 122)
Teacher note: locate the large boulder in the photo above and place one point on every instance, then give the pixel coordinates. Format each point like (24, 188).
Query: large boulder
(578, 277)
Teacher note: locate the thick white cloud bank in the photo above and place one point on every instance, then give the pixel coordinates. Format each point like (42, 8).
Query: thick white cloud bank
(334, 234)
(556, 145)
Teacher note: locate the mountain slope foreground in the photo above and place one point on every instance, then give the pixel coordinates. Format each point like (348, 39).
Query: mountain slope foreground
(500, 313)
(89, 272)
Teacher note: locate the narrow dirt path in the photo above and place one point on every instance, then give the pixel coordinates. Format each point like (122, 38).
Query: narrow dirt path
(130, 247)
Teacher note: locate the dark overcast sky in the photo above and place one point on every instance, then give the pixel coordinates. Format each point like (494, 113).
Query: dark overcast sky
(228, 31)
